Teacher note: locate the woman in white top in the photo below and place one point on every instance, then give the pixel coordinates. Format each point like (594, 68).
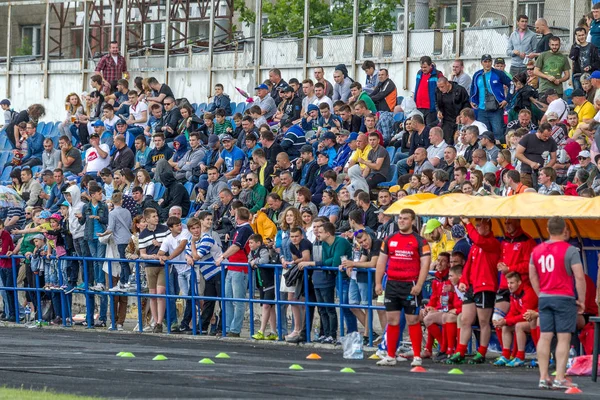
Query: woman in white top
(142, 179)
(74, 109)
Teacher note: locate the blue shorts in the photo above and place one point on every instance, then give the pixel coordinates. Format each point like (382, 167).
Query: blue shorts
(558, 314)
(359, 293)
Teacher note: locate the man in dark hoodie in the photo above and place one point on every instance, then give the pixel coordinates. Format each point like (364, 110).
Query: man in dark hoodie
(319, 183)
(291, 107)
(293, 139)
(160, 151)
(170, 120)
(450, 98)
(175, 193)
(220, 100)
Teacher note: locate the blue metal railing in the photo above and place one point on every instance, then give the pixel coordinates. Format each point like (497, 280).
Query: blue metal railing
(194, 297)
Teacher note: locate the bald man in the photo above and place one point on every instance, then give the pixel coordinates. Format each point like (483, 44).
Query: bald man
(543, 44)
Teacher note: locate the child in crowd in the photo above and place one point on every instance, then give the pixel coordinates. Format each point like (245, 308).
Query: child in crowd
(222, 125)
(55, 239)
(236, 188)
(265, 278)
(256, 114)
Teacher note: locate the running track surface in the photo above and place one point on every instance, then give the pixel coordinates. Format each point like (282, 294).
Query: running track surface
(85, 363)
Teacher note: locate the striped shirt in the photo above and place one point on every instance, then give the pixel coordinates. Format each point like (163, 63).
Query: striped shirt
(16, 212)
(208, 250)
(147, 236)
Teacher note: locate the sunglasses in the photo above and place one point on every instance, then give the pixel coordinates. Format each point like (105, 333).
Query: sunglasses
(167, 104)
(529, 69)
(581, 158)
(358, 232)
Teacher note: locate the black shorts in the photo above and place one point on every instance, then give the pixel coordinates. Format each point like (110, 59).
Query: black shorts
(483, 299)
(398, 298)
(503, 295)
(558, 314)
(267, 293)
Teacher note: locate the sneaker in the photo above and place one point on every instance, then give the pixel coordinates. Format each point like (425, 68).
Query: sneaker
(440, 357)
(406, 354)
(70, 289)
(381, 353)
(185, 329)
(501, 362)
(320, 339)
(233, 334)
(63, 288)
(426, 354)
(292, 337)
(544, 384)
(477, 359)
(80, 287)
(416, 362)
(148, 328)
(399, 358)
(515, 362)
(328, 340)
(56, 321)
(119, 327)
(456, 358)
(533, 364)
(273, 336)
(378, 340)
(258, 336)
(158, 328)
(119, 287)
(100, 324)
(562, 385)
(387, 361)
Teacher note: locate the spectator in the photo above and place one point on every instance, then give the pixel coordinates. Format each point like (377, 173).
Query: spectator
(319, 74)
(6, 272)
(341, 88)
(488, 96)
(264, 101)
(113, 65)
(123, 157)
(289, 188)
(7, 112)
(480, 162)
(247, 128)
(584, 109)
(547, 182)
(488, 144)
(31, 189)
(552, 67)
(350, 122)
(290, 107)
(160, 91)
(467, 118)
(384, 95)
(441, 180)
(50, 156)
(293, 139)
(96, 157)
(520, 43)
(435, 151)
(513, 183)
(584, 56)
(370, 217)
(308, 89)
(155, 119)
(33, 113)
(270, 146)
(450, 98)
(357, 93)
(35, 146)
(319, 185)
(594, 31)
(322, 98)
(56, 196)
(276, 207)
(170, 120)
(348, 141)
(160, 151)
(296, 86)
(530, 151)
(459, 76)
(220, 100)
(523, 121)
(138, 114)
(141, 152)
(372, 76)
(277, 84)
(175, 193)
(543, 44)
(306, 167)
(425, 90)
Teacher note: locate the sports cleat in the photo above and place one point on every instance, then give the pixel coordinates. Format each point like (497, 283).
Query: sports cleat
(533, 364)
(477, 359)
(456, 359)
(258, 336)
(515, 362)
(501, 362)
(440, 357)
(416, 362)
(562, 385)
(272, 336)
(387, 361)
(544, 384)
(401, 359)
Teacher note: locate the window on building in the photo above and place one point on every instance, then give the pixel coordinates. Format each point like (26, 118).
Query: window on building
(533, 10)
(31, 40)
(451, 17)
(153, 34)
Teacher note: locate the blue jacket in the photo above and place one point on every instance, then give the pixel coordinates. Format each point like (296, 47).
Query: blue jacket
(342, 156)
(56, 198)
(223, 102)
(86, 212)
(496, 81)
(293, 140)
(35, 147)
(431, 87)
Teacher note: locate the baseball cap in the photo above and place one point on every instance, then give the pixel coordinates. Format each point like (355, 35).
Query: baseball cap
(65, 203)
(98, 123)
(499, 60)
(328, 135)
(584, 154)
(47, 172)
(121, 122)
(552, 116)
(353, 136)
(323, 153)
(261, 86)
(488, 135)
(432, 225)
(307, 148)
(578, 93)
(226, 138)
(458, 231)
(56, 216)
(212, 140)
(595, 75)
(45, 214)
(5, 102)
(94, 134)
(486, 57)
(37, 236)
(286, 88)
(343, 132)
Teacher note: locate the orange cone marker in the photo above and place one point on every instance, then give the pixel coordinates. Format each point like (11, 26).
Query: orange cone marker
(418, 369)
(313, 356)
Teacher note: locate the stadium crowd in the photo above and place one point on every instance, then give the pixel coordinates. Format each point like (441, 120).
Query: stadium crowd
(302, 178)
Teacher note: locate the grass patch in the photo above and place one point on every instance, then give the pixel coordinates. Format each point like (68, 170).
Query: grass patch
(27, 394)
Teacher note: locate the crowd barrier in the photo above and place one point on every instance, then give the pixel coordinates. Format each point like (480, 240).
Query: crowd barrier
(194, 297)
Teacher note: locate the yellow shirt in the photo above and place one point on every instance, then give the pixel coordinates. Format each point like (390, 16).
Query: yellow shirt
(358, 153)
(585, 111)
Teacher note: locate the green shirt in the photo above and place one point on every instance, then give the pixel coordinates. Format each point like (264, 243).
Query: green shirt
(364, 96)
(257, 198)
(552, 64)
(332, 254)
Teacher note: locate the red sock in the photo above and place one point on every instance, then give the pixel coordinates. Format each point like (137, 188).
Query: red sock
(416, 338)
(499, 336)
(535, 335)
(521, 355)
(462, 349)
(514, 350)
(429, 344)
(434, 332)
(482, 350)
(451, 334)
(444, 343)
(392, 333)
(506, 353)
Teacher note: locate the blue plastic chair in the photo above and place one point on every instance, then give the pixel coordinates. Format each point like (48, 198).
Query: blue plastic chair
(36, 169)
(394, 181)
(189, 186)
(240, 108)
(5, 177)
(399, 100)
(159, 190)
(210, 104)
(3, 141)
(40, 127)
(391, 151)
(232, 104)
(4, 158)
(194, 107)
(48, 129)
(398, 117)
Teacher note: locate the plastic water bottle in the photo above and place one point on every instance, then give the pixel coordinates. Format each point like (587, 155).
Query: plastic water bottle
(572, 355)
(27, 313)
(444, 301)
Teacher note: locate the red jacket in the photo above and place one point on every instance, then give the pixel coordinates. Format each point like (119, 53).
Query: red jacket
(481, 270)
(522, 300)
(591, 307)
(6, 245)
(516, 253)
(441, 279)
(454, 302)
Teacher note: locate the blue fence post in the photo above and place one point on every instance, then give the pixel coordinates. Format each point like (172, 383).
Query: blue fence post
(111, 297)
(89, 313)
(340, 296)
(15, 291)
(139, 297)
(168, 303)
(251, 298)
(38, 296)
(193, 280)
(277, 308)
(223, 303)
(307, 321)
(370, 305)
(62, 294)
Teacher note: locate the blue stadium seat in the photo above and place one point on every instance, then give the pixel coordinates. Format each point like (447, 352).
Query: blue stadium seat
(189, 186)
(5, 177)
(193, 208)
(55, 130)
(240, 108)
(391, 151)
(399, 100)
(394, 181)
(398, 117)
(232, 104)
(36, 169)
(209, 105)
(4, 158)
(159, 190)
(194, 106)
(48, 129)
(40, 127)
(3, 141)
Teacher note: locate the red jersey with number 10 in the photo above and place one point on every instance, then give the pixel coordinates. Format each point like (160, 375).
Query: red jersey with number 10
(549, 261)
(404, 256)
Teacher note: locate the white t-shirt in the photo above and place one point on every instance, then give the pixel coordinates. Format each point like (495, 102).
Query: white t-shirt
(480, 125)
(137, 111)
(171, 243)
(324, 99)
(93, 160)
(560, 107)
(110, 124)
